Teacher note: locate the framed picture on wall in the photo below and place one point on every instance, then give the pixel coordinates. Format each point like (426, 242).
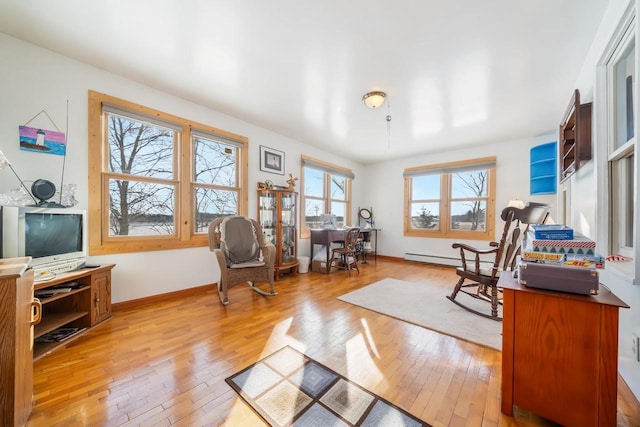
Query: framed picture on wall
(271, 160)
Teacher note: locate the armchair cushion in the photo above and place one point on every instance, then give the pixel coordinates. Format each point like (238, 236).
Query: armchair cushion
(238, 242)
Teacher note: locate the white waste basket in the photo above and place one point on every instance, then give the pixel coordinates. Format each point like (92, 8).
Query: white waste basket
(303, 264)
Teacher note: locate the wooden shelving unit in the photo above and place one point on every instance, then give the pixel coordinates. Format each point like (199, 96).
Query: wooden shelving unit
(83, 307)
(574, 136)
(277, 217)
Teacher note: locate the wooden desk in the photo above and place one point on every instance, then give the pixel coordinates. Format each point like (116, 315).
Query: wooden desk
(560, 354)
(326, 236)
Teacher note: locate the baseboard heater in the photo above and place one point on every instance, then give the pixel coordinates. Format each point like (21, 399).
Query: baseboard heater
(432, 259)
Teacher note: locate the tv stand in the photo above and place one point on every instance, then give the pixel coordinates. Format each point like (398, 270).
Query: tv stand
(76, 299)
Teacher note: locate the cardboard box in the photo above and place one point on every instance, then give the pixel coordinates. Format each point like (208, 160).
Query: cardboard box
(321, 266)
(579, 245)
(552, 232)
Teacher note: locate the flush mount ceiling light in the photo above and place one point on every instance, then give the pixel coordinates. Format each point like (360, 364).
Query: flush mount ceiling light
(374, 99)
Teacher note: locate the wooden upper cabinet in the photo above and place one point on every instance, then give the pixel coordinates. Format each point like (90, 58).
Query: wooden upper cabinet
(574, 139)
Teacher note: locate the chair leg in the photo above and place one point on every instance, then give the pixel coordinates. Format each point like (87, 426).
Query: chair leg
(494, 301)
(222, 293)
(456, 289)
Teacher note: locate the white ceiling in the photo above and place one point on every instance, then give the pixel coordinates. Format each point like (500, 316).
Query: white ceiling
(456, 73)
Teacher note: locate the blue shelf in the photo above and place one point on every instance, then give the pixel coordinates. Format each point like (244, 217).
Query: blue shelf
(543, 168)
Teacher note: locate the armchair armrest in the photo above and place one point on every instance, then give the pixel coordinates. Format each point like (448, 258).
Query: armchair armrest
(269, 253)
(464, 249)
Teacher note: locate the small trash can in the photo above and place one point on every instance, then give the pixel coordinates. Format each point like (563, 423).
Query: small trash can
(303, 264)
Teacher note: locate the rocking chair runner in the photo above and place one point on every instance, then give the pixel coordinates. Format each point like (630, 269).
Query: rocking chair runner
(485, 280)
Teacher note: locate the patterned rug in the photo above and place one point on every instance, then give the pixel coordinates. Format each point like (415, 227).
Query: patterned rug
(288, 388)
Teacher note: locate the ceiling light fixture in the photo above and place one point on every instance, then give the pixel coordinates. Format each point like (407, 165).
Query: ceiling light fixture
(374, 99)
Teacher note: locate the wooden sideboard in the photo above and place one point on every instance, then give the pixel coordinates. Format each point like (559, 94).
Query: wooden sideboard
(24, 318)
(560, 354)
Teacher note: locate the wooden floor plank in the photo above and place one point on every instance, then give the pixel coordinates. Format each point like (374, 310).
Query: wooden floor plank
(164, 364)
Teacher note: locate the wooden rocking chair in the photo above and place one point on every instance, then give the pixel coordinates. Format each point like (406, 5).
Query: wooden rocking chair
(484, 279)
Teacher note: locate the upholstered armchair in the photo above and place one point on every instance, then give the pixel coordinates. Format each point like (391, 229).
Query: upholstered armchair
(242, 254)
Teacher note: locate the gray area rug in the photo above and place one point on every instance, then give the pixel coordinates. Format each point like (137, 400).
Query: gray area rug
(288, 388)
(426, 305)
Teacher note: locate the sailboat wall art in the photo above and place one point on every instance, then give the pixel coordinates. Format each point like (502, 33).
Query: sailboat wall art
(42, 140)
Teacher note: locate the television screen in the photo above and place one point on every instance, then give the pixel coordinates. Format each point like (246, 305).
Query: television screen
(48, 234)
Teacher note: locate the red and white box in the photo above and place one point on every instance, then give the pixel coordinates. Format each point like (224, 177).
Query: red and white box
(579, 245)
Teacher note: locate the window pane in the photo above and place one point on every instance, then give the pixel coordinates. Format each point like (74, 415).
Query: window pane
(624, 105)
(339, 210)
(469, 184)
(338, 188)
(140, 208)
(313, 183)
(211, 204)
(469, 216)
(425, 187)
(312, 210)
(425, 216)
(138, 148)
(214, 162)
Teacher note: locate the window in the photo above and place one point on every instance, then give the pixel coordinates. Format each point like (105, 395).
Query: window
(621, 81)
(157, 180)
(326, 189)
(451, 200)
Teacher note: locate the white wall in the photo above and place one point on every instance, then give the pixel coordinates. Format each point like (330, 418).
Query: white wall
(33, 79)
(385, 185)
(589, 203)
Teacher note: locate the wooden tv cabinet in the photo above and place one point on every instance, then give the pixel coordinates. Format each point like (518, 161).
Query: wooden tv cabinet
(560, 354)
(84, 306)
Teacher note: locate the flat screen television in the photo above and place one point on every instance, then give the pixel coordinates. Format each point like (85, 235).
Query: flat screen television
(54, 238)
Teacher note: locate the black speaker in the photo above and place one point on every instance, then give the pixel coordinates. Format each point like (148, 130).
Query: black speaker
(43, 190)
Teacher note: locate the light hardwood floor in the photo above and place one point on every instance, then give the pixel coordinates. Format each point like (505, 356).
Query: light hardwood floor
(165, 363)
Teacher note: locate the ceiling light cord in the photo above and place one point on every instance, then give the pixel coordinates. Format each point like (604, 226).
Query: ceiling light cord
(388, 118)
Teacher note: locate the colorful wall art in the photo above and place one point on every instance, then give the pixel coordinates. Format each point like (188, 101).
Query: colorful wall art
(42, 141)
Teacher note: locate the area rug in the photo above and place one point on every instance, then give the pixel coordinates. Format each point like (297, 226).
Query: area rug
(288, 388)
(426, 305)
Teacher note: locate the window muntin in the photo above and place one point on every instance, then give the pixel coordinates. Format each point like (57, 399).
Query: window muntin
(154, 181)
(451, 200)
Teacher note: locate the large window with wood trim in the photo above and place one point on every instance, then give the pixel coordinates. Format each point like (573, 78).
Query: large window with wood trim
(451, 200)
(621, 79)
(326, 189)
(157, 180)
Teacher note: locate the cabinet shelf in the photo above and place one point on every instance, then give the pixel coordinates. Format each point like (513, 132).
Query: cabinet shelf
(543, 169)
(279, 226)
(575, 136)
(53, 321)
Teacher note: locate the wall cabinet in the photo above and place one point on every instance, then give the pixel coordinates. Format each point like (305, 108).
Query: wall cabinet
(543, 169)
(277, 217)
(16, 331)
(77, 299)
(574, 136)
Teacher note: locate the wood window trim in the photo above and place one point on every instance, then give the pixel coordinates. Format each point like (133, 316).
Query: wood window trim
(99, 242)
(305, 233)
(445, 189)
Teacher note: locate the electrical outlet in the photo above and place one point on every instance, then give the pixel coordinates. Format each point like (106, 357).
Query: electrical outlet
(636, 346)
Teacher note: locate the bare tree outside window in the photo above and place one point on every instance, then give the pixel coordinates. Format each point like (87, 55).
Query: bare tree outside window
(468, 206)
(142, 195)
(216, 180)
(451, 200)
